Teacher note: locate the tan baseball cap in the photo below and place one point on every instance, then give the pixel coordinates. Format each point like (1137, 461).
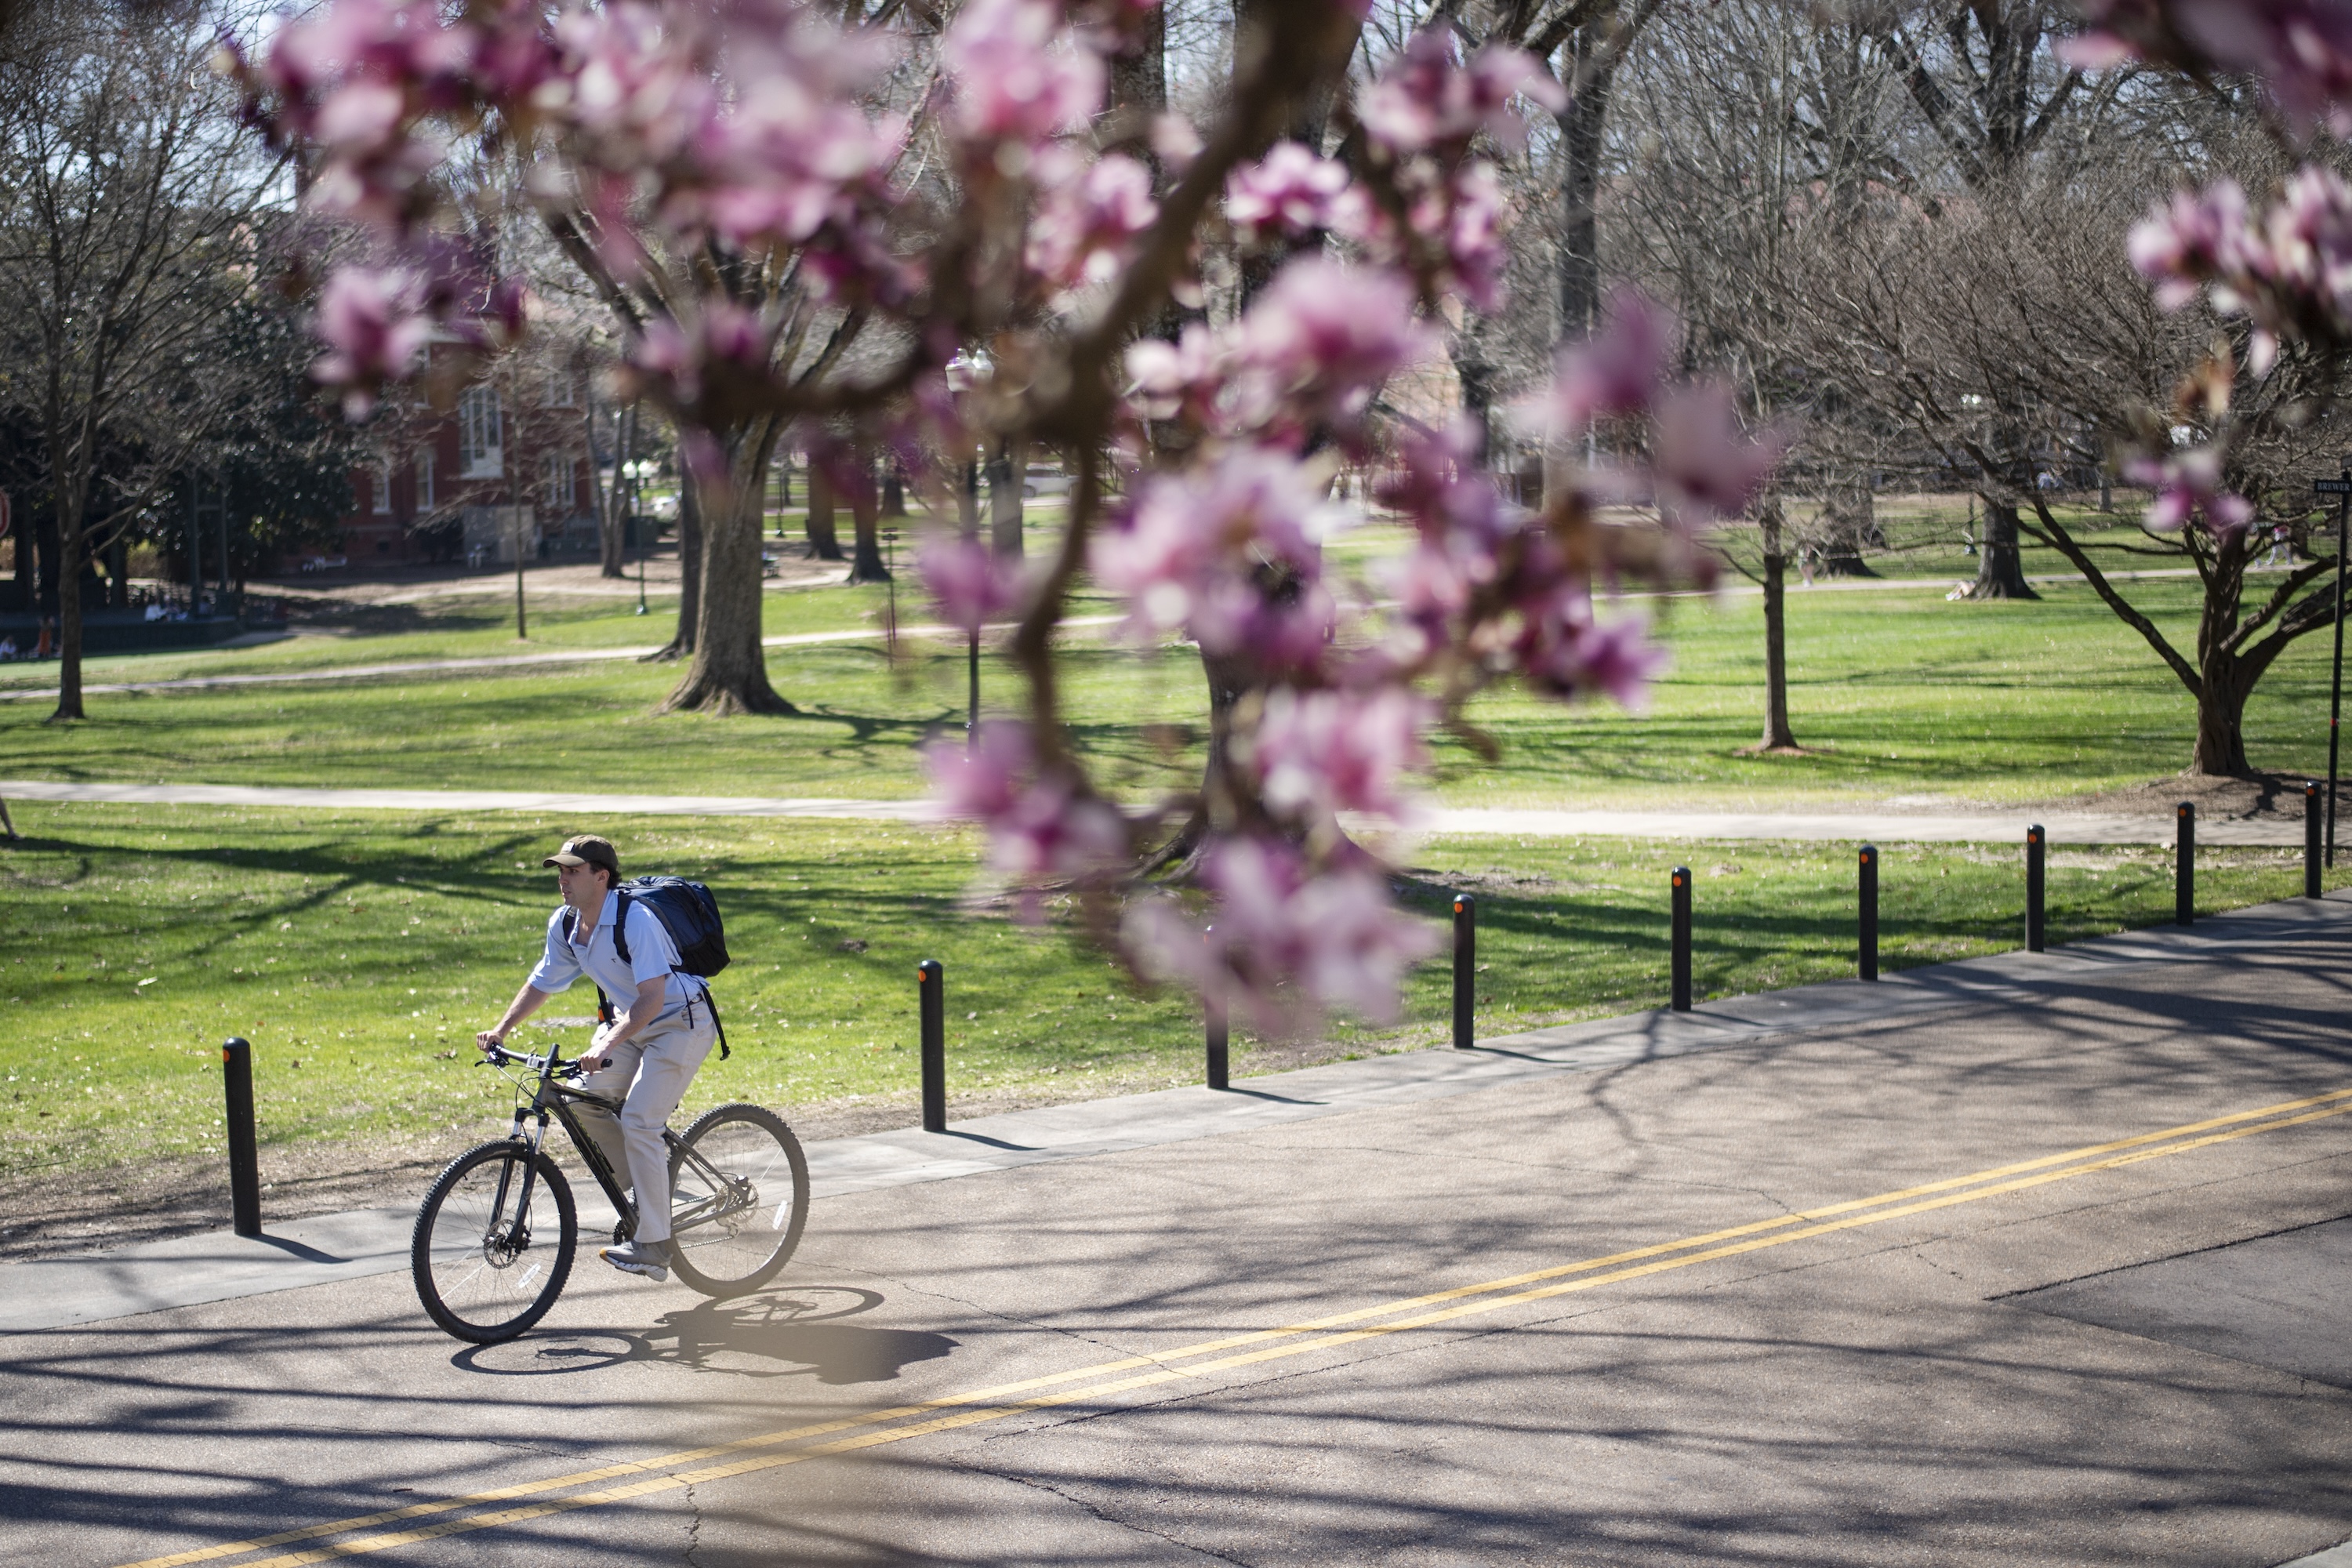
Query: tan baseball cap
(587, 849)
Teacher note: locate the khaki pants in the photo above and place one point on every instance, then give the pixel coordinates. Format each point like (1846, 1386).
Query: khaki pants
(648, 1075)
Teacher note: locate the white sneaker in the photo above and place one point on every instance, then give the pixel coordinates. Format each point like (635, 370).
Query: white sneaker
(650, 1258)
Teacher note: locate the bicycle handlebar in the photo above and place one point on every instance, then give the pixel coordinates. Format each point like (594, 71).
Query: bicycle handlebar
(498, 1056)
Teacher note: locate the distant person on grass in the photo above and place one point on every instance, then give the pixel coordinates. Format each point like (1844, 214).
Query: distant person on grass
(643, 1056)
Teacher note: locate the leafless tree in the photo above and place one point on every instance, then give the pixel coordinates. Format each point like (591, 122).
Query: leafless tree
(1906, 228)
(135, 215)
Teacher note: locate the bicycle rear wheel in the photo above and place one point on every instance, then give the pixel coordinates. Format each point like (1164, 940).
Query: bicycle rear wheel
(738, 1199)
(486, 1265)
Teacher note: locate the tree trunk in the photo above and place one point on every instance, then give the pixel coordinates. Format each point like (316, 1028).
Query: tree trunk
(1180, 858)
(117, 574)
(825, 543)
(2001, 573)
(689, 580)
(730, 672)
(1777, 736)
(865, 515)
(1007, 473)
(69, 548)
(1582, 127)
(610, 500)
(2220, 748)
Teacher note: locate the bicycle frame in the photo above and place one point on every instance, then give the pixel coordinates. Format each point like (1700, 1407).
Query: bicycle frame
(552, 1096)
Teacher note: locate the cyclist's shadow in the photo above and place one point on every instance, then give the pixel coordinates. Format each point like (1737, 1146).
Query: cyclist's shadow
(788, 1334)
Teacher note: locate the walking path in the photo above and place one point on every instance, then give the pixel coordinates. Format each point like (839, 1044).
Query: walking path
(2002, 826)
(52, 1292)
(487, 661)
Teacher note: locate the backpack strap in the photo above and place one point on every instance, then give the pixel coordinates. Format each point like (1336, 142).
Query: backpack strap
(620, 950)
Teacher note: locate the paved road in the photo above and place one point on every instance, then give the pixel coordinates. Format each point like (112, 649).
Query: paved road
(1950, 1284)
(1874, 826)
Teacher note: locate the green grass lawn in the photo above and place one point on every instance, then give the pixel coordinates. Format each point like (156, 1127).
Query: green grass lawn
(360, 952)
(1901, 692)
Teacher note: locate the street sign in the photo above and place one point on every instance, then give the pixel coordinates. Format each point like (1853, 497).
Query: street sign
(2333, 487)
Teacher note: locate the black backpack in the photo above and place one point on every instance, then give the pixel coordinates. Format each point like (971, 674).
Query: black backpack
(689, 912)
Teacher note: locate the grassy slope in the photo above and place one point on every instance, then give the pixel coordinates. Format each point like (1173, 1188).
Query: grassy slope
(360, 952)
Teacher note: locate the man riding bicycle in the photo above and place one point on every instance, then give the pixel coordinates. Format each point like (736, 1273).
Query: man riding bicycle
(641, 1056)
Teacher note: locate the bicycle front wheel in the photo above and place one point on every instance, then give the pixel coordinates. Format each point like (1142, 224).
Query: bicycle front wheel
(738, 1199)
(489, 1260)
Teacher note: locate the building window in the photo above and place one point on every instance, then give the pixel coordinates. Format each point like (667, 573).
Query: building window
(480, 439)
(380, 489)
(423, 482)
(558, 387)
(555, 482)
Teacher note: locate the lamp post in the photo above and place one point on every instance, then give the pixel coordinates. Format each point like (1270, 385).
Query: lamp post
(636, 472)
(965, 371)
(2341, 488)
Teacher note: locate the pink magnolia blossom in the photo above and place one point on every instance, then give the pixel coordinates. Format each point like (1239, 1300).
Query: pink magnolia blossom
(375, 327)
(1287, 942)
(2187, 486)
(1616, 373)
(1289, 193)
(2300, 50)
(1564, 651)
(967, 580)
(726, 339)
(1082, 228)
(1702, 466)
(1320, 340)
(1190, 530)
(1166, 381)
(1284, 627)
(2197, 235)
(1328, 752)
(1426, 97)
(1039, 824)
(1018, 74)
(1472, 233)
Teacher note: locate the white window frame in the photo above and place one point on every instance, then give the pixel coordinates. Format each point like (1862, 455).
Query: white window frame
(481, 434)
(558, 482)
(560, 390)
(424, 481)
(380, 489)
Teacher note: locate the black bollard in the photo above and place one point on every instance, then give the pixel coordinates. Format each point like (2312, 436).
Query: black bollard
(1465, 970)
(1682, 940)
(2184, 865)
(930, 1007)
(1868, 931)
(2035, 849)
(244, 1163)
(2311, 810)
(1212, 1019)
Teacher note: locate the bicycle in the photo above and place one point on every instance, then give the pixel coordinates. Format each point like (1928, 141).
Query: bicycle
(484, 1267)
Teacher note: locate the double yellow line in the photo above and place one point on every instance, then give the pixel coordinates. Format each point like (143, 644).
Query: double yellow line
(696, 1466)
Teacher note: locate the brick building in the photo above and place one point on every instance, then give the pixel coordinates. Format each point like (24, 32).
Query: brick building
(507, 466)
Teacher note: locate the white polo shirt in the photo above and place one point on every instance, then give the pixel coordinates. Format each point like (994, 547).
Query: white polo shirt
(591, 953)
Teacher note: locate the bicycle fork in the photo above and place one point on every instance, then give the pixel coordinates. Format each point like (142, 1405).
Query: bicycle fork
(517, 1230)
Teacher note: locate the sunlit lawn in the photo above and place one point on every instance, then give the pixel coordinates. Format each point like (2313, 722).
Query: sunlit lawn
(361, 951)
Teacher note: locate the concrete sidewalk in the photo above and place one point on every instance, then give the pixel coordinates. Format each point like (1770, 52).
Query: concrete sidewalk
(53, 1292)
(1871, 826)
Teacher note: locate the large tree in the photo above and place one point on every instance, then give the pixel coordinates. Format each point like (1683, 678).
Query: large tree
(134, 217)
(796, 256)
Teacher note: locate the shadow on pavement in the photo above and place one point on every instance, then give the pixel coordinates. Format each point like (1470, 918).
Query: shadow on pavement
(783, 1333)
